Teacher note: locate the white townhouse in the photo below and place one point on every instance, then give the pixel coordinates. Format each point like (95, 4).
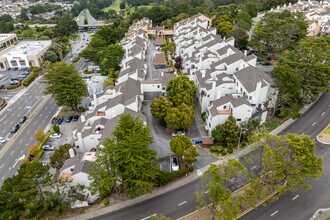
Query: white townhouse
(227, 80)
(219, 111)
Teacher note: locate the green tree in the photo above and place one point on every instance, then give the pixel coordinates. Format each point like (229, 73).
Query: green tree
(302, 74)
(33, 150)
(180, 117)
(160, 107)
(65, 26)
(183, 148)
(56, 128)
(125, 162)
(50, 56)
(111, 57)
(39, 135)
(241, 37)
(227, 133)
(181, 90)
(277, 32)
(60, 155)
(224, 25)
(6, 23)
(65, 85)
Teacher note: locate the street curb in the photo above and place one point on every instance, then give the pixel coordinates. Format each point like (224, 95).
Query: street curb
(317, 137)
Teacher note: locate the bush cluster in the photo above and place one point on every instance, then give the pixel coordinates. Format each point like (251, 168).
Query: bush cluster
(163, 177)
(33, 75)
(14, 86)
(221, 150)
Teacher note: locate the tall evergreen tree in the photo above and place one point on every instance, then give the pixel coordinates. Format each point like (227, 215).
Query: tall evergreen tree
(227, 133)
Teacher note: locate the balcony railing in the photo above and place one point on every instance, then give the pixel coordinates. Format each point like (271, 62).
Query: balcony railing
(224, 111)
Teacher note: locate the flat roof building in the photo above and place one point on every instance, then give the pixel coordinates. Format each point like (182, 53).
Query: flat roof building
(22, 54)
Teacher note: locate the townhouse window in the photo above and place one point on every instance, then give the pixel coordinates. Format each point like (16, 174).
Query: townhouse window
(250, 97)
(237, 69)
(241, 89)
(224, 107)
(209, 124)
(208, 95)
(237, 83)
(158, 86)
(253, 105)
(14, 63)
(230, 88)
(238, 119)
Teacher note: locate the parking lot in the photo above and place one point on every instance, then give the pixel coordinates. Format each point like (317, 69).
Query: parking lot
(11, 77)
(67, 138)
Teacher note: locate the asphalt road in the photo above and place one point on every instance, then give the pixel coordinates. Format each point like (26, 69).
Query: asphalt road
(295, 205)
(39, 115)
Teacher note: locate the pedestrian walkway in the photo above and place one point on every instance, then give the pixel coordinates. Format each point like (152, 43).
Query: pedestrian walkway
(199, 121)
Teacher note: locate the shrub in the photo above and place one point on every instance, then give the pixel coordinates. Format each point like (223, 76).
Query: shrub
(223, 153)
(14, 86)
(39, 135)
(106, 202)
(191, 169)
(230, 150)
(33, 75)
(33, 150)
(204, 116)
(163, 178)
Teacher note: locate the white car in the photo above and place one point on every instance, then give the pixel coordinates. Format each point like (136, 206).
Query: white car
(2, 140)
(55, 136)
(178, 133)
(175, 164)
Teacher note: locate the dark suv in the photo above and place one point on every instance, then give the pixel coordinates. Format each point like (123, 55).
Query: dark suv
(22, 119)
(69, 119)
(14, 128)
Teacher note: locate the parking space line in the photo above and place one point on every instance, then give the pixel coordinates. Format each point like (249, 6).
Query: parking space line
(274, 213)
(148, 217)
(295, 197)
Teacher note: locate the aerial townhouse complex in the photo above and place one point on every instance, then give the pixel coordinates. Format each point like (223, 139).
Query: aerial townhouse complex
(227, 79)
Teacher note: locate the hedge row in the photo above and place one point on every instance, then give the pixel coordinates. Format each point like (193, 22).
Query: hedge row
(28, 80)
(163, 178)
(14, 86)
(41, 151)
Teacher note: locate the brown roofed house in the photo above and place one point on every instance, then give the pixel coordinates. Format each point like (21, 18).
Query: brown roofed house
(160, 61)
(159, 41)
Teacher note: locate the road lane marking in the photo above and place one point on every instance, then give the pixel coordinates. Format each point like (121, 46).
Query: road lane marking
(206, 192)
(34, 122)
(302, 134)
(148, 217)
(11, 153)
(2, 165)
(28, 131)
(20, 141)
(182, 203)
(323, 113)
(2, 177)
(253, 167)
(274, 213)
(313, 123)
(295, 197)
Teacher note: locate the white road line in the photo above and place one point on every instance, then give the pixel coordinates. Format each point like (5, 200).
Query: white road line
(28, 131)
(206, 192)
(148, 217)
(2, 165)
(20, 141)
(302, 134)
(295, 197)
(253, 167)
(11, 153)
(313, 123)
(274, 213)
(31, 138)
(182, 203)
(34, 122)
(232, 179)
(323, 113)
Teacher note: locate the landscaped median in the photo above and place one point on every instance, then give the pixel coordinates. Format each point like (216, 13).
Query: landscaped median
(36, 151)
(206, 214)
(324, 136)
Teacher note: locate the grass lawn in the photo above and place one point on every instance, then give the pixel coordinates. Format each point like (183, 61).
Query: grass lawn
(114, 6)
(327, 131)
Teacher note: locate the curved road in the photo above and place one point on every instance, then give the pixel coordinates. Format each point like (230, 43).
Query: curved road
(296, 205)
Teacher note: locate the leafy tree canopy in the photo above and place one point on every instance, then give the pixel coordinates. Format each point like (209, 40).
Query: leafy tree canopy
(65, 85)
(184, 149)
(180, 117)
(227, 133)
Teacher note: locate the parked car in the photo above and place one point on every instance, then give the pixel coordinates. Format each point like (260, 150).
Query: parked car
(54, 120)
(59, 121)
(266, 63)
(55, 136)
(175, 164)
(25, 73)
(14, 128)
(197, 141)
(48, 147)
(22, 119)
(75, 118)
(178, 133)
(69, 119)
(14, 82)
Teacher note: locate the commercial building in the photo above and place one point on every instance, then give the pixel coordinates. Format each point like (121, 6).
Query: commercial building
(14, 54)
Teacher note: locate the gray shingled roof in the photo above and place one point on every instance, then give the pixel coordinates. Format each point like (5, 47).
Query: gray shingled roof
(227, 99)
(202, 79)
(82, 166)
(250, 76)
(167, 78)
(72, 161)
